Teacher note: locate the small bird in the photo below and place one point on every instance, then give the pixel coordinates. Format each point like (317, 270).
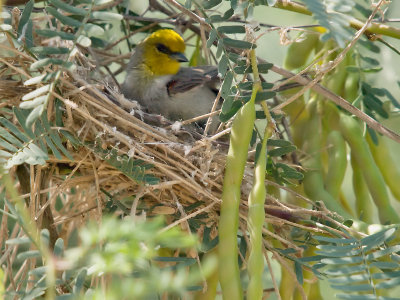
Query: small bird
(157, 81)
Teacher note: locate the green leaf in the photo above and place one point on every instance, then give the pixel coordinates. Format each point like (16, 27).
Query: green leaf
(335, 23)
(334, 240)
(19, 241)
(34, 80)
(391, 98)
(231, 29)
(370, 60)
(47, 61)
(29, 34)
(292, 175)
(188, 4)
(236, 58)
(53, 148)
(353, 287)
(29, 104)
(248, 85)
(28, 254)
(339, 253)
(264, 67)
(299, 272)
(372, 70)
(377, 239)
(262, 96)
(21, 117)
(62, 18)
(226, 85)
(384, 265)
(53, 33)
(212, 38)
(37, 92)
(349, 279)
(227, 104)
(278, 143)
(49, 50)
(68, 8)
(223, 65)
(220, 48)
(336, 248)
(388, 284)
(35, 293)
(34, 114)
(80, 280)
(106, 16)
(369, 45)
(26, 14)
(238, 44)
(380, 253)
(236, 105)
(342, 260)
(45, 236)
(10, 138)
(84, 41)
(282, 151)
(211, 3)
(386, 275)
(356, 297)
(39, 271)
(58, 247)
(34, 155)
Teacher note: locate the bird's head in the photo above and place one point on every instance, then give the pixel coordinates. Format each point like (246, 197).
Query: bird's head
(163, 51)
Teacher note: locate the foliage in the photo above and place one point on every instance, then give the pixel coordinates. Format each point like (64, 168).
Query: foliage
(302, 145)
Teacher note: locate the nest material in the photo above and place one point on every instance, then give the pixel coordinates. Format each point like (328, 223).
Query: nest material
(190, 171)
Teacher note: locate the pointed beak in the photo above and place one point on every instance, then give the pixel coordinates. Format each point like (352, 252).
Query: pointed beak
(178, 56)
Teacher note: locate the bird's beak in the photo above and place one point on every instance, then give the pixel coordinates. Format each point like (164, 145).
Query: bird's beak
(178, 56)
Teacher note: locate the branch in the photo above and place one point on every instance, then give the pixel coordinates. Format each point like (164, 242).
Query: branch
(373, 29)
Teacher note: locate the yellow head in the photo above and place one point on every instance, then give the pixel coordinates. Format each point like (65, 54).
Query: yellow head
(163, 51)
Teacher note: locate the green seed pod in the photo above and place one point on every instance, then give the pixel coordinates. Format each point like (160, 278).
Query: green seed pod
(299, 52)
(385, 163)
(242, 129)
(337, 163)
(353, 135)
(364, 206)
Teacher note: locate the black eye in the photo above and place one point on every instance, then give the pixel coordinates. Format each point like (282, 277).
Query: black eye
(163, 49)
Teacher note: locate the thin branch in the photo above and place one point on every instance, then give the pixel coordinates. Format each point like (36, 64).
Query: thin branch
(340, 102)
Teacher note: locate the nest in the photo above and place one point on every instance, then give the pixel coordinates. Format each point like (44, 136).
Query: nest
(189, 167)
(189, 170)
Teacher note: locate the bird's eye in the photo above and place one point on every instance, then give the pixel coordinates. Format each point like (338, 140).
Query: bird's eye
(163, 49)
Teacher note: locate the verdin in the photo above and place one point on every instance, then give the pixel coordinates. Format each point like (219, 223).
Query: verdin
(157, 81)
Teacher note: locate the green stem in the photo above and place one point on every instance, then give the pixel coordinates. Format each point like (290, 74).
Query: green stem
(256, 219)
(242, 128)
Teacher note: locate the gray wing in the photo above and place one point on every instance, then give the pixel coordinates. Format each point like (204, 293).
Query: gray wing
(189, 78)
